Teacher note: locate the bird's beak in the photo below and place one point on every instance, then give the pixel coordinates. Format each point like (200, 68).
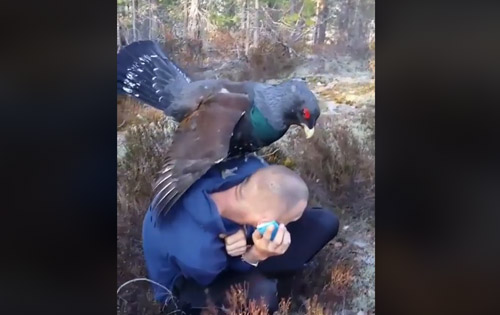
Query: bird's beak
(309, 132)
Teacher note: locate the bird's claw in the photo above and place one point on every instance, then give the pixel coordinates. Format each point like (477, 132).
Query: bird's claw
(228, 172)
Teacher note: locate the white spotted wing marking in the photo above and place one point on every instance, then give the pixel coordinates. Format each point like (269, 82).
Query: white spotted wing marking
(129, 83)
(180, 72)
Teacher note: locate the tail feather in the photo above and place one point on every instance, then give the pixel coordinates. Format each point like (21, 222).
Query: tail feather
(145, 72)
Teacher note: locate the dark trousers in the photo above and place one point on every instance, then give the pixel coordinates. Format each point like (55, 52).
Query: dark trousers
(309, 235)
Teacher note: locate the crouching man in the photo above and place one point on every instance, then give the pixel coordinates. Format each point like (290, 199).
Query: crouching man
(208, 241)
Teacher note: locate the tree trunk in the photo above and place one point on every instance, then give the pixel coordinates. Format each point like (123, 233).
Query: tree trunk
(343, 22)
(315, 38)
(186, 16)
(247, 29)
(359, 29)
(256, 25)
(194, 20)
(150, 24)
(134, 38)
(322, 15)
(122, 35)
(241, 5)
(296, 8)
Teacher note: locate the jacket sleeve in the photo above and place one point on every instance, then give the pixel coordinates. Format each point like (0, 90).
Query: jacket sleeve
(239, 265)
(201, 262)
(204, 271)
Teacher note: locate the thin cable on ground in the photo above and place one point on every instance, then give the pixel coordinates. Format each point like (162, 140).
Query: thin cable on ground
(170, 298)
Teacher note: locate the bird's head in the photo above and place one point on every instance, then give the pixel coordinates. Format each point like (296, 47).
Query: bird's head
(302, 107)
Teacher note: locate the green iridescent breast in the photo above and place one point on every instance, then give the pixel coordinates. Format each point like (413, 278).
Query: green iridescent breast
(262, 130)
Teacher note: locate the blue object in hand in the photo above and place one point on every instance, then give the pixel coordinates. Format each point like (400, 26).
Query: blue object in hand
(263, 227)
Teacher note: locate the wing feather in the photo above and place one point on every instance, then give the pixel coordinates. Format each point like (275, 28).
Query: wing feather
(201, 140)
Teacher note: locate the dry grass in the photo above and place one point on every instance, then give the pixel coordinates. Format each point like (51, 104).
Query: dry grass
(325, 50)
(372, 59)
(341, 279)
(126, 110)
(270, 59)
(314, 307)
(284, 306)
(346, 93)
(146, 142)
(329, 279)
(131, 111)
(333, 162)
(239, 304)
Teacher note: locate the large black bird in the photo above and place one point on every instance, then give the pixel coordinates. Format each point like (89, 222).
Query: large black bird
(219, 119)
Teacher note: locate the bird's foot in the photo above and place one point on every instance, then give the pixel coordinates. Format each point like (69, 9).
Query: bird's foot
(260, 158)
(228, 172)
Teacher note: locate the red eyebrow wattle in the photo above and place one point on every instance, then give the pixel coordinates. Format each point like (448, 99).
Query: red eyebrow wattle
(306, 113)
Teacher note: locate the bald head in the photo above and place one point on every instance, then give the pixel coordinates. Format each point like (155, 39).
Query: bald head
(283, 183)
(275, 192)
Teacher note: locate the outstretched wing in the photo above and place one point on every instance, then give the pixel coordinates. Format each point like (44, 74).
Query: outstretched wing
(201, 140)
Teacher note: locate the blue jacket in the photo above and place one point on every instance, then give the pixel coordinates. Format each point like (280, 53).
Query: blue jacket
(185, 242)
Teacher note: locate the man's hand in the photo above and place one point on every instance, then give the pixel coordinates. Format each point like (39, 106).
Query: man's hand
(264, 248)
(236, 244)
